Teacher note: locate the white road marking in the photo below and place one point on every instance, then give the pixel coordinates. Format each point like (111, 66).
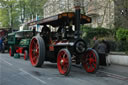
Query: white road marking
(49, 78)
(33, 76)
(7, 62)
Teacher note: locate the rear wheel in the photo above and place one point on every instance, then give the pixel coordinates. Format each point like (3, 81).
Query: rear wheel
(11, 53)
(64, 62)
(37, 51)
(90, 61)
(26, 56)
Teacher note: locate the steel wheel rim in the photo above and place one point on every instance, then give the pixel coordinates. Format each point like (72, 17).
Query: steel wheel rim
(89, 61)
(62, 62)
(34, 51)
(24, 55)
(10, 51)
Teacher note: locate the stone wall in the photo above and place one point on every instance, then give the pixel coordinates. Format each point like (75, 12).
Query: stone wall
(53, 7)
(101, 11)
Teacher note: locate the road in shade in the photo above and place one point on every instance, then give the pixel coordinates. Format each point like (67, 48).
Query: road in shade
(19, 72)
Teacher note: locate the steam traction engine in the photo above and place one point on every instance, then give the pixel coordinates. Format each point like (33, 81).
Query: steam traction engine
(62, 44)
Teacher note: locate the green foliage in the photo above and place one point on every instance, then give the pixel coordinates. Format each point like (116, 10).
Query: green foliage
(122, 37)
(3, 14)
(122, 34)
(15, 12)
(89, 32)
(100, 33)
(119, 44)
(122, 45)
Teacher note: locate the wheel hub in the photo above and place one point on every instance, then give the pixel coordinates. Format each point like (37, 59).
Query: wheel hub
(35, 50)
(91, 60)
(61, 62)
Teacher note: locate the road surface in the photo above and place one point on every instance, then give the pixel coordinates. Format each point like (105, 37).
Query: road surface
(19, 72)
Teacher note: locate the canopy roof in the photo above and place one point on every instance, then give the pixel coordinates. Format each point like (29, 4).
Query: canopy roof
(21, 33)
(65, 18)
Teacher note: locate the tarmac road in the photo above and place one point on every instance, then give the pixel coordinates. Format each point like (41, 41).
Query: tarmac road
(19, 72)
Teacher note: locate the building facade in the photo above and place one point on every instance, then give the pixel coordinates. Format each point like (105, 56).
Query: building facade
(102, 12)
(53, 7)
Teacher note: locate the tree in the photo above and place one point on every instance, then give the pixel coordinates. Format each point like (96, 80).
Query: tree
(15, 12)
(121, 12)
(9, 14)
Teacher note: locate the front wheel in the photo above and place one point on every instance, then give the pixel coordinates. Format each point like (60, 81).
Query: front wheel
(90, 61)
(37, 51)
(64, 62)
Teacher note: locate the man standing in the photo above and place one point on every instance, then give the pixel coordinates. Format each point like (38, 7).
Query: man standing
(101, 48)
(96, 42)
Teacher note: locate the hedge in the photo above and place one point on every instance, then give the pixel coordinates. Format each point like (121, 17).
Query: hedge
(122, 34)
(89, 32)
(118, 39)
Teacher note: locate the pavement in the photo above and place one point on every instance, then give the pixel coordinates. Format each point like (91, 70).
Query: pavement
(19, 72)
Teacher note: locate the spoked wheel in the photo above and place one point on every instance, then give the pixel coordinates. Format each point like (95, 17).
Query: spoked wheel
(90, 61)
(11, 51)
(37, 51)
(26, 55)
(64, 62)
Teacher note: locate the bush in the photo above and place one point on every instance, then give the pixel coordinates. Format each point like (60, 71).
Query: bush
(122, 39)
(89, 33)
(100, 32)
(121, 44)
(122, 34)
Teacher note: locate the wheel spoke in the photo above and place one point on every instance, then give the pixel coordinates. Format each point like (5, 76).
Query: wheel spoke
(66, 61)
(65, 67)
(64, 55)
(92, 60)
(33, 44)
(94, 65)
(36, 46)
(34, 59)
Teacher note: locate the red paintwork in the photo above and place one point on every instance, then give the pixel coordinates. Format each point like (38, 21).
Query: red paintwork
(89, 61)
(24, 55)
(55, 42)
(62, 66)
(51, 48)
(10, 51)
(34, 51)
(19, 49)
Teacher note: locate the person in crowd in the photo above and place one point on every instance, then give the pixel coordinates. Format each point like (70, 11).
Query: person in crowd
(96, 42)
(34, 31)
(1, 42)
(102, 49)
